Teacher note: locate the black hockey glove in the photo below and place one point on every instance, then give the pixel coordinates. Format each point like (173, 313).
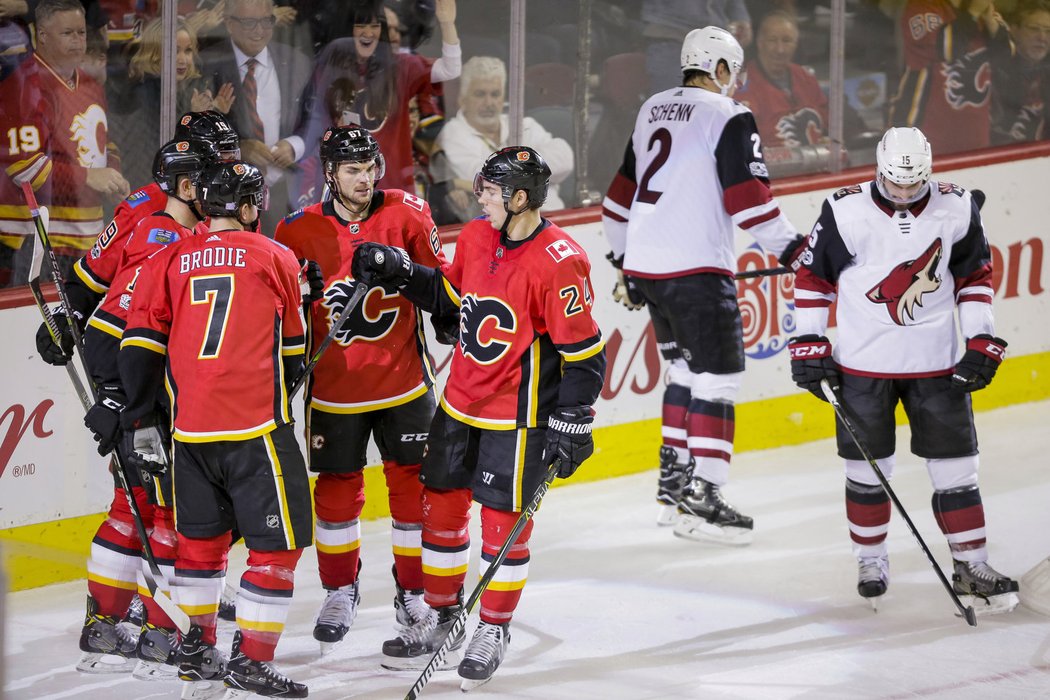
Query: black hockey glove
(147, 450)
(376, 264)
(792, 255)
(978, 364)
(569, 438)
(311, 281)
(54, 353)
(446, 328)
(811, 361)
(625, 291)
(103, 419)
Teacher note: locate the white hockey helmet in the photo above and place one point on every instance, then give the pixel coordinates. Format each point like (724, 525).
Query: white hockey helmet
(903, 157)
(704, 48)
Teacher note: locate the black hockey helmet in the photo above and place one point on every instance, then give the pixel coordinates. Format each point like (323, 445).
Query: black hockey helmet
(225, 186)
(350, 144)
(186, 158)
(210, 126)
(516, 168)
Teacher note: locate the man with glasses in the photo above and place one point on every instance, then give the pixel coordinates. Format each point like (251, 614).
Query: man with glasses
(268, 79)
(1022, 83)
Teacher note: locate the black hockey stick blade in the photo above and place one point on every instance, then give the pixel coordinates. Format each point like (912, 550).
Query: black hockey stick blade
(42, 248)
(461, 619)
(831, 395)
(359, 292)
(764, 272)
(978, 198)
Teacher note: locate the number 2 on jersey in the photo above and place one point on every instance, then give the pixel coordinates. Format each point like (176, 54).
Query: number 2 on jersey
(663, 136)
(217, 292)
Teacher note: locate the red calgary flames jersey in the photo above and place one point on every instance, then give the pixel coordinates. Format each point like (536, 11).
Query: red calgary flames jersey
(52, 133)
(797, 116)
(225, 308)
(524, 309)
(380, 358)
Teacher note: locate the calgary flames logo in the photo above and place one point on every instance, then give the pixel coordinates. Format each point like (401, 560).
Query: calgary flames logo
(88, 132)
(486, 328)
(801, 128)
(363, 324)
(901, 290)
(967, 80)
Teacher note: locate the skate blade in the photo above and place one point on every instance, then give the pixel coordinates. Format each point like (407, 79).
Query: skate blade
(469, 684)
(203, 690)
(992, 605)
(418, 663)
(94, 662)
(874, 602)
(236, 694)
(667, 515)
(155, 671)
(328, 647)
(690, 527)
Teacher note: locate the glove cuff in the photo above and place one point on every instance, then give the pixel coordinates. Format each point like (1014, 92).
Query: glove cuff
(572, 421)
(792, 255)
(616, 262)
(994, 348)
(808, 346)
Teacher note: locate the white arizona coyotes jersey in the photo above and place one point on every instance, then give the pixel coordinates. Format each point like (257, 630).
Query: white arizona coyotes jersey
(693, 168)
(897, 275)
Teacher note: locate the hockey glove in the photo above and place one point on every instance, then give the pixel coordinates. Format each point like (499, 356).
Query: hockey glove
(978, 364)
(625, 291)
(57, 354)
(148, 451)
(569, 438)
(811, 361)
(311, 281)
(446, 328)
(103, 419)
(792, 255)
(376, 264)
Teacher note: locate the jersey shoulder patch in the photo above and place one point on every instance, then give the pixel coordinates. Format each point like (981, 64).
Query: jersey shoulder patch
(950, 188)
(138, 197)
(846, 191)
(162, 236)
(293, 216)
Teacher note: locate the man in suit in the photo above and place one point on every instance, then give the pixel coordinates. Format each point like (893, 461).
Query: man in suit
(268, 78)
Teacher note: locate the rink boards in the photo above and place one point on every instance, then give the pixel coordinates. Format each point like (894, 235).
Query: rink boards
(53, 485)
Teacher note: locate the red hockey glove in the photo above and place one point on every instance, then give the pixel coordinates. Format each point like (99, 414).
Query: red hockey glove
(983, 356)
(811, 361)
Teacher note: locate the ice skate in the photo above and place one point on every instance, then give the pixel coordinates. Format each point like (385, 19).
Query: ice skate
(483, 654)
(989, 591)
(202, 665)
(409, 606)
(873, 578)
(246, 676)
(704, 515)
(415, 644)
(228, 603)
(673, 478)
(336, 616)
(156, 652)
(107, 645)
(136, 614)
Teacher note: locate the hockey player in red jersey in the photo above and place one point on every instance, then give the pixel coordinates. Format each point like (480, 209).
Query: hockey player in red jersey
(908, 261)
(218, 317)
(693, 169)
(375, 380)
(529, 364)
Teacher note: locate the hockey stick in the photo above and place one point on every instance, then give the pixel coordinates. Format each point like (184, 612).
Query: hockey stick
(41, 248)
(764, 272)
(966, 611)
(461, 619)
(359, 292)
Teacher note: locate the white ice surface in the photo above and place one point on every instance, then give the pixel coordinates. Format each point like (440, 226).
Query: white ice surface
(618, 608)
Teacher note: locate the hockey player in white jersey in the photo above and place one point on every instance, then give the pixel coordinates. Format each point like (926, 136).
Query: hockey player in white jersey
(693, 169)
(907, 259)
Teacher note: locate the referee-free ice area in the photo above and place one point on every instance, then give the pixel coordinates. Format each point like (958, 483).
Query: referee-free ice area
(618, 608)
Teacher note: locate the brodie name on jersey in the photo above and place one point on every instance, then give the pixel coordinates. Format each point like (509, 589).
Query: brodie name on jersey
(211, 257)
(673, 112)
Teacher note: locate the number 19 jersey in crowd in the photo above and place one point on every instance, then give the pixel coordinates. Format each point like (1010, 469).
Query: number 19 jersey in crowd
(692, 170)
(525, 309)
(225, 308)
(898, 277)
(380, 357)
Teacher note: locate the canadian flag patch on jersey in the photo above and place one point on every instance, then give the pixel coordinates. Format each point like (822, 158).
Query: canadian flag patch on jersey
(559, 250)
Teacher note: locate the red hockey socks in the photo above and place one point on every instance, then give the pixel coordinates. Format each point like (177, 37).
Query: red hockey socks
(338, 499)
(868, 513)
(263, 601)
(446, 544)
(406, 511)
(116, 555)
(500, 599)
(960, 514)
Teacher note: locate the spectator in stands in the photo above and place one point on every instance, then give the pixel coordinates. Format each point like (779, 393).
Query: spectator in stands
(1022, 84)
(96, 56)
(54, 119)
(14, 35)
(481, 127)
(949, 46)
(135, 101)
(268, 79)
(668, 21)
(789, 105)
(363, 80)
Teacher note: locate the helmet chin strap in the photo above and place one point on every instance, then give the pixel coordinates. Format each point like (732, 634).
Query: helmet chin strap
(337, 194)
(191, 204)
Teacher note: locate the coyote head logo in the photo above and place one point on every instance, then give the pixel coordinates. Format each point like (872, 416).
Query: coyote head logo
(901, 290)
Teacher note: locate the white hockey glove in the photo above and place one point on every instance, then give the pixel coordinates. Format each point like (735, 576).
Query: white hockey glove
(149, 451)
